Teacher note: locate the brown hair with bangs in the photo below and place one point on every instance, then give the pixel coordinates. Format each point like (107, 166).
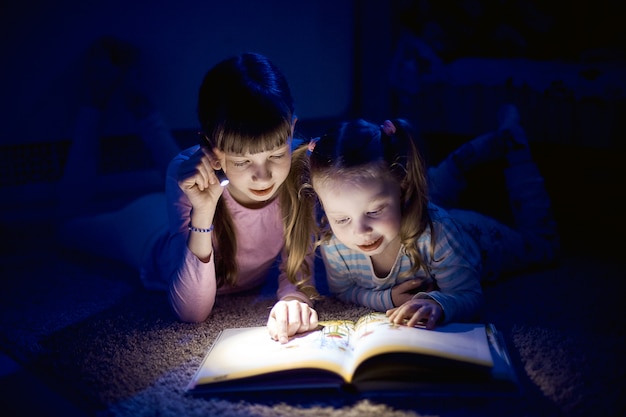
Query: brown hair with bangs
(245, 106)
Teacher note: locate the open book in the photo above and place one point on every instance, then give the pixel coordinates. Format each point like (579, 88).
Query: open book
(370, 355)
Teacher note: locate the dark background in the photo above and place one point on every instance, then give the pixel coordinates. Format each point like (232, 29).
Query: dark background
(445, 65)
(338, 55)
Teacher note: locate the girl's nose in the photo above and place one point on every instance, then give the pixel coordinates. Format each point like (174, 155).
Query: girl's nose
(261, 173)
(362, 227)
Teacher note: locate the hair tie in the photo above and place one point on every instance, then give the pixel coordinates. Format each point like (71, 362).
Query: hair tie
(393, 150)
(388, 127)
(312, 144)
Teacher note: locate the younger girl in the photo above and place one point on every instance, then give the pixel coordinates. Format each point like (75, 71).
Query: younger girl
(383, 239)
(199, 239)
(383, 233)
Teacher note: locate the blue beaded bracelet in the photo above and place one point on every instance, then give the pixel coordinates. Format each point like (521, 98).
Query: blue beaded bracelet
(195, 229)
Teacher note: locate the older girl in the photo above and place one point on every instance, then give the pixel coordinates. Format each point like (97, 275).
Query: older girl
(200, 239)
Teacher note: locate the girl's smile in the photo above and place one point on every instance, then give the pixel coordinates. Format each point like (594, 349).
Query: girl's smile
(371, 246)
(262, 193)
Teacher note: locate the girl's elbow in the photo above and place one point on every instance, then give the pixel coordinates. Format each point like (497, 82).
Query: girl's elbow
(191, 317)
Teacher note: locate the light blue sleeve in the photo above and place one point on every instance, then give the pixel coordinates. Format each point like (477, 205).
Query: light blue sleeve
(455, 265)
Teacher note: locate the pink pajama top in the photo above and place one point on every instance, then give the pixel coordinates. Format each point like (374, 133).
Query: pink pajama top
(192, 283)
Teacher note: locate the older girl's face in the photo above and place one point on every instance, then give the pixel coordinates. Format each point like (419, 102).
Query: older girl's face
(255, 178)
(364, 214)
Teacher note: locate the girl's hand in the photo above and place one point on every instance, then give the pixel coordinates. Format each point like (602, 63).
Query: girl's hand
(405, 291)
(288, 318)
(197, 179)
(415, 311)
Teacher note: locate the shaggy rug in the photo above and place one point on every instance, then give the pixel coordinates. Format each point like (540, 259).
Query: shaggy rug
(89, 330)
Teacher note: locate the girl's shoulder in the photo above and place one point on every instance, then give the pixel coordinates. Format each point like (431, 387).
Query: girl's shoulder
(186, 153)
(442, 219)
(449, 232)
(438, 214)
(182, 156)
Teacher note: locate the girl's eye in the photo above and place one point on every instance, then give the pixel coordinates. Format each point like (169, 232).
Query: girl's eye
(239, 164)
(376, 212)
(279, 156)
(341, 221)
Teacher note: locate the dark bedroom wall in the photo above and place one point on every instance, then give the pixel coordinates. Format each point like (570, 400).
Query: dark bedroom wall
(42, 42)
(561, 63)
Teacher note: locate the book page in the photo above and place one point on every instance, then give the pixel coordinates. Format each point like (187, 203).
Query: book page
(466, 342)
(338, 347)
(244, 352)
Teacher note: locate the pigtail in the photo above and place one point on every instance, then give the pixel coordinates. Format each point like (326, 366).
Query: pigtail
(414, 193)
(298, 211)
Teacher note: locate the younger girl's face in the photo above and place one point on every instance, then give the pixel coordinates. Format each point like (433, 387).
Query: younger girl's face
(255, 178)
(364, 215)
